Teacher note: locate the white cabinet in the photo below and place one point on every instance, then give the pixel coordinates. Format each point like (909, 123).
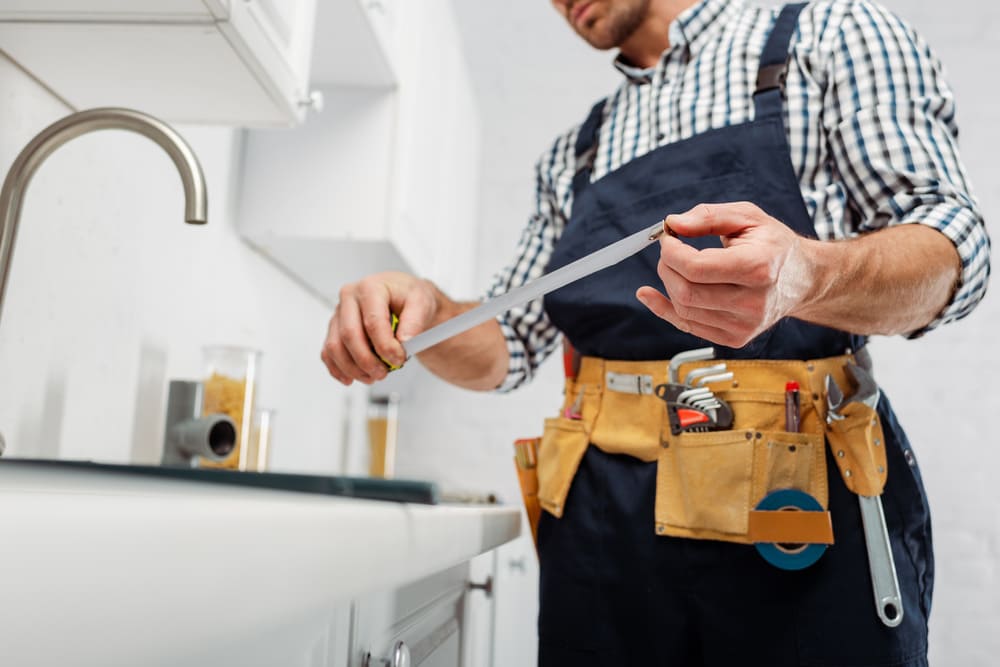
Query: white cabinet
(236, 62)
(386, 178)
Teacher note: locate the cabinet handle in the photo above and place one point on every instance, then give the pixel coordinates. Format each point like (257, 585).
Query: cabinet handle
(403, 657)
(314, 101)
(517, 564)
(400, 658)
(486, 586)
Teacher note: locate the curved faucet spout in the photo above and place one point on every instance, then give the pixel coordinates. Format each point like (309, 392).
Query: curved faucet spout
(83, 122)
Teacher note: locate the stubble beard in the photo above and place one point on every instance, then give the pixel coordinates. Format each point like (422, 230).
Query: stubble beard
(623, 18)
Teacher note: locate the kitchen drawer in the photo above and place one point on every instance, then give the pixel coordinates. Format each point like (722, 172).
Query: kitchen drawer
(426, 616)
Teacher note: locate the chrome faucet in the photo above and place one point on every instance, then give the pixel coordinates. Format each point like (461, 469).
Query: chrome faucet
(55, 135)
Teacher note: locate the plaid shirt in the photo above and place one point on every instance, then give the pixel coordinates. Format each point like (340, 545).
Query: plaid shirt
(870, 121)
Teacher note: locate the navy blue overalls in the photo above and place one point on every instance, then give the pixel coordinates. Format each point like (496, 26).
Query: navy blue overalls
(614, 594)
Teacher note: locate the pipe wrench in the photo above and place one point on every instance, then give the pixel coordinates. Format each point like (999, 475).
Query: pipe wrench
(885, 583)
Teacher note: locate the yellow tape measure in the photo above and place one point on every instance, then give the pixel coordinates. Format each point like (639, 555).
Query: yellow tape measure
(394, 322)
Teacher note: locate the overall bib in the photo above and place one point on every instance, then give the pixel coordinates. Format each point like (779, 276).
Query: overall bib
(612, 591)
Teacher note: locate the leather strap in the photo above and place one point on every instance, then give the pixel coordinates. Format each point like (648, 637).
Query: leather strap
(790, 527)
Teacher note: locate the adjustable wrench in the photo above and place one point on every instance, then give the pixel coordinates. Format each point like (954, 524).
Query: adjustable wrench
(885, 583)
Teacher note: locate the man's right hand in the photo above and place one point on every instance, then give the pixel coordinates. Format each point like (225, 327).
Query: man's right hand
(362, 320)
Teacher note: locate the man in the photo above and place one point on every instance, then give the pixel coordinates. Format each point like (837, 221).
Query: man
(808, 164)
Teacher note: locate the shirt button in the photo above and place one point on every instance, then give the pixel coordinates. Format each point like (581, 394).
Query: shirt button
(661, 136)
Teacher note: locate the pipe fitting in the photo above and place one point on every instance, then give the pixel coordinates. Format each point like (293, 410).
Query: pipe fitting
(188, 434)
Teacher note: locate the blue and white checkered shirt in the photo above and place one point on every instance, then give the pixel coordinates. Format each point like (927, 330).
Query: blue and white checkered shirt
(871, 126)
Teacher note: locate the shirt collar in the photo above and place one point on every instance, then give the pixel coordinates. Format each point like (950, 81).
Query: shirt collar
(690, 31)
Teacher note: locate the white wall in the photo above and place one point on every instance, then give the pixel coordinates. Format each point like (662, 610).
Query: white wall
(534, 79)
(111, 295)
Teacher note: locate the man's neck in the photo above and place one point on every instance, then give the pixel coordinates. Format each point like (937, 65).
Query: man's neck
(644, 47)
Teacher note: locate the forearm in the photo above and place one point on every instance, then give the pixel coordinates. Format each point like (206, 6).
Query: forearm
(893, 281)
(475, 359)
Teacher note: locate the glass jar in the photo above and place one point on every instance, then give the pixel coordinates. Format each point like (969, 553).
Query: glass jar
(259, 455)
(229, 388)
(383, 431)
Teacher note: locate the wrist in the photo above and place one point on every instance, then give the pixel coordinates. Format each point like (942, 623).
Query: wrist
(820, 268)
(444, 307)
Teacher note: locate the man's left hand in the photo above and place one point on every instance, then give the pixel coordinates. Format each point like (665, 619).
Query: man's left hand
(729, 295)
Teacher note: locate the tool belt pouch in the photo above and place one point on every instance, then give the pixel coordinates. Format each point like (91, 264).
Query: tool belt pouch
(525, 463)
(708, 484)
(858, 447)
(564, 441)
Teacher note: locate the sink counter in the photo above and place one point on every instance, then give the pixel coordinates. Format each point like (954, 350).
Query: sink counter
(105, 569)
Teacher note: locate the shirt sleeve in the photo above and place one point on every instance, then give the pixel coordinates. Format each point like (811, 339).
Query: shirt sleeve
(890, 119)
(530, 334)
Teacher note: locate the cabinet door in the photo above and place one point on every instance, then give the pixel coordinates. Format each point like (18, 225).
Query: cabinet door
(68, 10)
(287, 28)
(516, 603)
(201, 61)
(477, 625)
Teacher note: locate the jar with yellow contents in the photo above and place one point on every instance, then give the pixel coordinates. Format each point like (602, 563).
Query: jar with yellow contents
(229, 388)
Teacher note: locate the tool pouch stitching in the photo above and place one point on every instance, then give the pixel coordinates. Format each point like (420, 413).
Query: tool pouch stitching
(858, 446)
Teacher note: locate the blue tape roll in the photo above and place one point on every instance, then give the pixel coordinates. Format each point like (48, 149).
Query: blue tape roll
(780, 557)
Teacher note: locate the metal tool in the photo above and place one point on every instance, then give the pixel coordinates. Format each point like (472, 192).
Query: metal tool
(581, 268)
(834, 399)
(703, 372)
(701, 354)
(695, 407)
(885, 583)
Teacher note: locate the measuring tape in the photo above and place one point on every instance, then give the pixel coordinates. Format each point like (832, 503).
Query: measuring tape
(581, 268)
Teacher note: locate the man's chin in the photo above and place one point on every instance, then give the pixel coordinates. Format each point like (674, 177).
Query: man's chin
(597, 38)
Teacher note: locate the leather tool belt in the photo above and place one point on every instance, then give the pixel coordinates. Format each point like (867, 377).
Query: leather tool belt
(708, 483)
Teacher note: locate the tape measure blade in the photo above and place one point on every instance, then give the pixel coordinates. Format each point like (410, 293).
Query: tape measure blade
(581, 268)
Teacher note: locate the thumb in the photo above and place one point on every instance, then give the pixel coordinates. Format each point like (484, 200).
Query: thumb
(415, 315)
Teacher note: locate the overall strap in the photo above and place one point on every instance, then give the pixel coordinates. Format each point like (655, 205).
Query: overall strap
(586, 147)
(774, 63)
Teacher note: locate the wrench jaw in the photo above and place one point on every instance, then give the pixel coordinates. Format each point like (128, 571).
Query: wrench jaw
(867, 391)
